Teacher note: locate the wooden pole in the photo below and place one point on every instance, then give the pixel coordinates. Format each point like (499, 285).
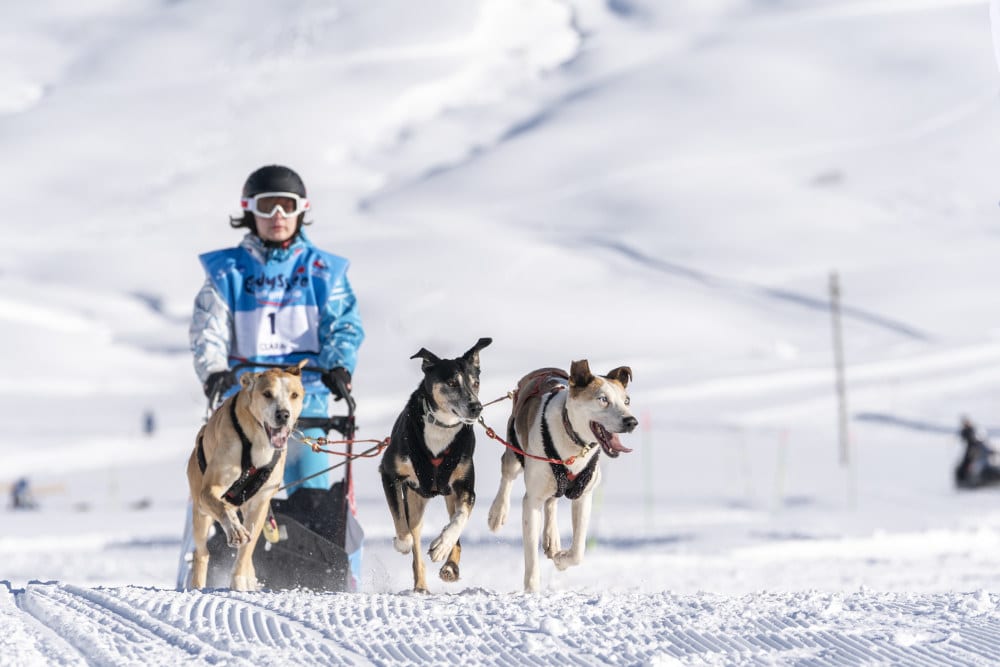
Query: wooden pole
(779, 473)
(647, 469)
(838, 361)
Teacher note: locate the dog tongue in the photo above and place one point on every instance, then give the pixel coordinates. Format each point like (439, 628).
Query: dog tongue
(612, 445)
(279, 437)
(616, 444)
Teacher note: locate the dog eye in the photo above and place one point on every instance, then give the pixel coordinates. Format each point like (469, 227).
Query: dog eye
(295, 395)
(268, 394)
(628, 400)
(603, 400)
(453, 383)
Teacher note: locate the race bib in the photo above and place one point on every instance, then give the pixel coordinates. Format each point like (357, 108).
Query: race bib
(270, 331)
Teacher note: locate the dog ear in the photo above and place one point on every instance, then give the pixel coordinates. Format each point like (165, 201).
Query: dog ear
(472, 355)
(246, 380)
(579, 374)
(622, 375)
(429, 358)
(297, 368)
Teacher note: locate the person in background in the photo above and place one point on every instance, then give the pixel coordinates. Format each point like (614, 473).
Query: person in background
(21, 497)
(149, 423)
(976, 467)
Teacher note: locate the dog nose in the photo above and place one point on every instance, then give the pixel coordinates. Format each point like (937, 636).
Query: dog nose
(630, 424)
(281, 416)
(475, 408)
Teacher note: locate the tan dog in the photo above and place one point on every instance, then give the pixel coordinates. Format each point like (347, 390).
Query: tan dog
(238, 463)
(569, 419)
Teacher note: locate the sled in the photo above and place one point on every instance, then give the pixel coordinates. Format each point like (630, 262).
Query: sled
(318, 540)
(318, 533)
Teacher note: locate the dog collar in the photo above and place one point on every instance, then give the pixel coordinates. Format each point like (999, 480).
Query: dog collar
(567, 483)
(431, 419)
(574, 436)
(244, 440)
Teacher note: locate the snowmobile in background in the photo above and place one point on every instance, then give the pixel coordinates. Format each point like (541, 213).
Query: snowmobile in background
(313, 540)
(980, 464)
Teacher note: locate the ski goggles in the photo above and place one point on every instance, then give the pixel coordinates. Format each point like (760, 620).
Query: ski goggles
(267, 204)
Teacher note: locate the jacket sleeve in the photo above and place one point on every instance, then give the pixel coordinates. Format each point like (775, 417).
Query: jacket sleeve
(340, 330)
(210, 333)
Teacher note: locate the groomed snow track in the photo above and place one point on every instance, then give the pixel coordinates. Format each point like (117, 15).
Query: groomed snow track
(56, 624)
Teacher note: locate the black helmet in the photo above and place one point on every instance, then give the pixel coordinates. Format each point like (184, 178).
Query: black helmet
(274, 178)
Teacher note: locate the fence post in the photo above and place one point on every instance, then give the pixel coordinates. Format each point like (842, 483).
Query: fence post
(647, 468)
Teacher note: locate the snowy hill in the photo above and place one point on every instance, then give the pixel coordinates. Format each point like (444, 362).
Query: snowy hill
(662, 185)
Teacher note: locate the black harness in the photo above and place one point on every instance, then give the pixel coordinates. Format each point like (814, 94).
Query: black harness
(434, 473)
(568, 484)
(251, 478)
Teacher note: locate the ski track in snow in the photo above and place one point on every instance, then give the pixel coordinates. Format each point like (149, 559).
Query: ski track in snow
(757, 290)
(50, 623)
(927, 374)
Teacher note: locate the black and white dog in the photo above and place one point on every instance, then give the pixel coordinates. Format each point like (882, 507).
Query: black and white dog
(430, 454)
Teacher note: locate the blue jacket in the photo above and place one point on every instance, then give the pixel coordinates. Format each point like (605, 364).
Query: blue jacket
(276, 305)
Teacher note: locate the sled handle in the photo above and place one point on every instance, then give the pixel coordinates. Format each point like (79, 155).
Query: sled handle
(343, 424)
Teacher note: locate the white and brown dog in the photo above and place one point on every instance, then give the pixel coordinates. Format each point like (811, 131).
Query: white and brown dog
(562, 418)
(238, 463)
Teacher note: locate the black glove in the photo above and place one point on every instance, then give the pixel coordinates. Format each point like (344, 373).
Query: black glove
(338, 381)
(218, 383)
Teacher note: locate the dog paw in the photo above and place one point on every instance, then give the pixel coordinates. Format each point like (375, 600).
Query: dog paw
(564, 559)
(403, 546)
(243, 583)
(551, 547)
(440, 548)
(497, 516)
(237, 535)
(449, 571)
